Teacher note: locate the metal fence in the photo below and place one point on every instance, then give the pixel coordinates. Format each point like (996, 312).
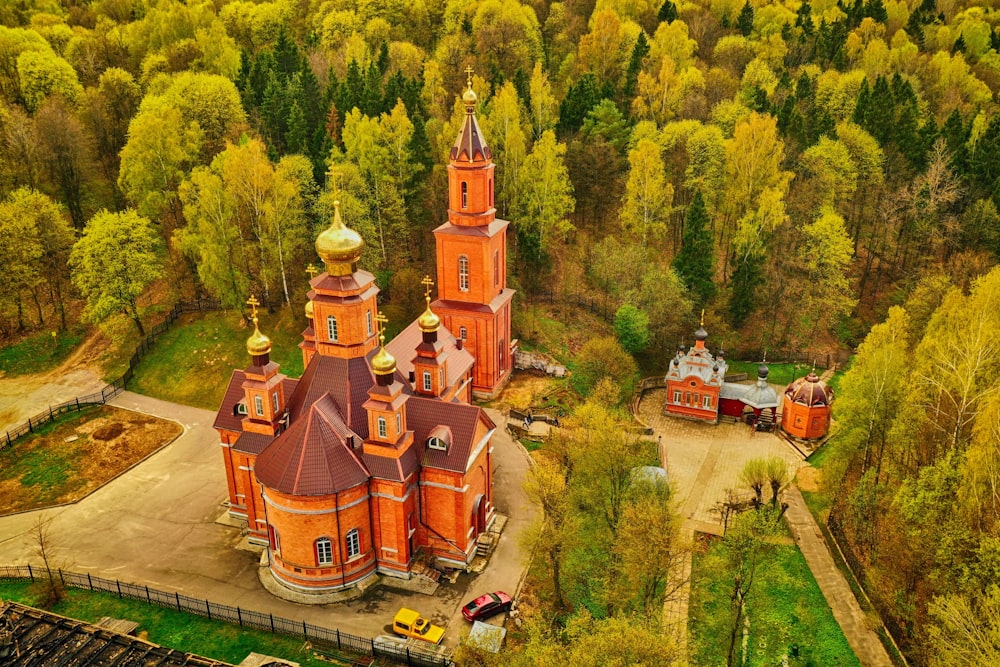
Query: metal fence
(324, 639)
(115, 387)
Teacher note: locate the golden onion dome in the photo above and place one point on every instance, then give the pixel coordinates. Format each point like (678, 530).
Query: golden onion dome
(383, 363)
(469, 96)
(339, 246)
(429, 321)
(258, 344)
(309, 310)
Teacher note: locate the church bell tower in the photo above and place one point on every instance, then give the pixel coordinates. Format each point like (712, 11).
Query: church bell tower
(473, 298)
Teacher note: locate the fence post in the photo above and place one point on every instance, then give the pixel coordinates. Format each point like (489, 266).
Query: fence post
(239, 616)
(61, 580)
(305, 633)
(90, 582)
(77, 403)
(29, 426)
(208, 608)
(119, 585)
(148, 601)
(8, 438)
(408, 661)
(338, 639)
(373, 645)
(31, 573)
(177, 596)
(272, 622)
(51, 416)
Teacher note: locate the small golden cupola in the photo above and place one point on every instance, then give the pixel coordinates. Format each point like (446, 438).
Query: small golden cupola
(258, 345)
(383, 363)
(428, 322)
(430, 372)
(339, 246)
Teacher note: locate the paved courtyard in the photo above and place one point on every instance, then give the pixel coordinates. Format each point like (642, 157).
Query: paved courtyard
(156, 525)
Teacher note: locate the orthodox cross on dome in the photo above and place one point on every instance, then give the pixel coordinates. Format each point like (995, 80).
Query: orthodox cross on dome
(702, 317)
(312, 271)
(427, 283)
(468, 74)
(253, 303)
(380, 322)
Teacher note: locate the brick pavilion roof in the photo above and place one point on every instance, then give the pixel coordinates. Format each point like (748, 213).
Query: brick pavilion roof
(314, 456)
(43, 638)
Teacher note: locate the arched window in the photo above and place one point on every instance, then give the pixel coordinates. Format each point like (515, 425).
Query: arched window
(353, 543)
(465, 195)
(382, 431)
(427, 380)
(324, 551)
(240, 408)
(331, 328)
(274, 400)
(463, 273)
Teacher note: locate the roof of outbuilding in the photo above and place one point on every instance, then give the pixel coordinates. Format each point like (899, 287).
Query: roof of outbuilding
(810, 391)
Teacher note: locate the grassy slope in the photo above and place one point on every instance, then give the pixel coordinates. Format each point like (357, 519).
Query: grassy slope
(786, 608)
(38, 354)
(193, 361)
(168, 627)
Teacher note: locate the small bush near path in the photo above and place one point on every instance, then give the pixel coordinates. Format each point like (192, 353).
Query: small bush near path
(192, 362)
(786, 609)
(62, 462)
(171, 628)
(40, 352)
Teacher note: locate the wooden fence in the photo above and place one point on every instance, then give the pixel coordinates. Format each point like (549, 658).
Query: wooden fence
(111, 390)
(323, 638)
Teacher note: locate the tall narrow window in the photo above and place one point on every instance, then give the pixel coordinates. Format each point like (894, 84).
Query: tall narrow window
(331, 328)
(399, 422)
(381, 427)
(501, 355)
(353, 543)
(463, 273)
(258, 404)
(463, 333)
(324, 551)
(427, 380)
(491, 192)
(465, 195)
(274, 401)
(496, 268)
(369, 318)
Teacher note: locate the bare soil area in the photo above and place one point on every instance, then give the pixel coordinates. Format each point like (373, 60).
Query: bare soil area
(807, 478)
(77, 456)
(28, 395)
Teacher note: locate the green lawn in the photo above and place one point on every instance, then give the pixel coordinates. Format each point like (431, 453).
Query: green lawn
(786, 609)
(819, 501)
(40, 353)
(192, 362)
(171, 628)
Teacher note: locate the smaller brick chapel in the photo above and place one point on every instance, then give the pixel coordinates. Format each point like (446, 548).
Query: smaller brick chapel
(376, 453)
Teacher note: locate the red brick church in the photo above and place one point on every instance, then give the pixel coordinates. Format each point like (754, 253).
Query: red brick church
(376, 453)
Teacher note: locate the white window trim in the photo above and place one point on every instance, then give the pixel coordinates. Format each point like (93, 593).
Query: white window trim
(353, 543)
(331, 328)
(274, 401)
(368, 317)
(382, 427)
(258, 404)
(324, 551)
(427, 381)
(463, 273)
(463, 333)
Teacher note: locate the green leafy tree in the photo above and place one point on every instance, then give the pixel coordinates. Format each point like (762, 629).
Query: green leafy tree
(20, 253)
(965, 631)
(695, 264)
(632, 328)
(604, 357)
(114, 262)
(43, 73)
(545, 194)
(649, 197)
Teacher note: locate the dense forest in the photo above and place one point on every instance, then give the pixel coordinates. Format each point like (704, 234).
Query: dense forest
(802, 171)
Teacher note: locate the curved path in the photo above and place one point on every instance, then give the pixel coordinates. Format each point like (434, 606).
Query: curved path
(157, 525)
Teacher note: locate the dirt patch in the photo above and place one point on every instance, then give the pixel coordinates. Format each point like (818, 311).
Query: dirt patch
(66, 462)
(524, 389)
(808, 479)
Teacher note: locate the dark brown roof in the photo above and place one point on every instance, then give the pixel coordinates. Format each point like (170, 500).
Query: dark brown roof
(810, 390)
(313, 457)
(398, 470)
(44, 638)
(347, 381)
(404, 348)
(470, 145)
(349, 283)
(424, 414)
(226, 418)
(492, 229)
(252, 443)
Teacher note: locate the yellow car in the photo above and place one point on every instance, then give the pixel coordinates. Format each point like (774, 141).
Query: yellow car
(410, 624)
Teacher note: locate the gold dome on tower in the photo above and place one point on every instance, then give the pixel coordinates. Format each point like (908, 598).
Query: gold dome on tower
(309, 310)
(258, 344)
(383, 363)
(428, 321)
(339, 246)
(469, 96)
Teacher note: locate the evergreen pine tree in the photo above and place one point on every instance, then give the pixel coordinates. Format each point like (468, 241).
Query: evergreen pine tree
(694, 263)
(803, 18)
(297, 137)
(959, 45)
(639, 51)
(743, 300)
(744, 23)
(876, 10)
(668, 12)
(522, 84)
(580, 98)
(956, 134)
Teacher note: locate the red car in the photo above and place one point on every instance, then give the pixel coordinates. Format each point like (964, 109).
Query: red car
(487, 605)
